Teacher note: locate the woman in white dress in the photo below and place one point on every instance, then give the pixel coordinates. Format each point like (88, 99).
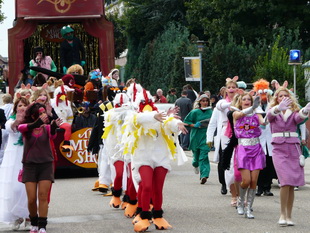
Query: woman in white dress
(13, 198)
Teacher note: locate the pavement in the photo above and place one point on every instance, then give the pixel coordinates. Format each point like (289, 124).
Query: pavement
(189, 207)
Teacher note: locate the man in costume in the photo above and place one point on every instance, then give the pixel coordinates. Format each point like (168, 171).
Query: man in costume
(71, 49)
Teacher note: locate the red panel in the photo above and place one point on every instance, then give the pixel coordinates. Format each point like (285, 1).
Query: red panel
(48, 8)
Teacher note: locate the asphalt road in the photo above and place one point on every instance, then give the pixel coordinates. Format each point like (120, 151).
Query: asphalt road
(188, 205)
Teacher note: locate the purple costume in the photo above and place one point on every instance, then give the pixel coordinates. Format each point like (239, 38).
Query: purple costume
(249, 152)
(286, 147)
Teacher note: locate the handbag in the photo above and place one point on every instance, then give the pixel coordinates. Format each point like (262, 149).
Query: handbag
(20, 175)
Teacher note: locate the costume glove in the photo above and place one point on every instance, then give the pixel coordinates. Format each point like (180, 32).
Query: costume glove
(64, 69)
(284, 104)
(35, 124)
(197, 125)
(306, 109)
(209, 144)
(83, 63)
(256, 102)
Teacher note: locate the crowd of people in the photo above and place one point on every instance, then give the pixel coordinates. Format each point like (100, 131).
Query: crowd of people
(256, 135)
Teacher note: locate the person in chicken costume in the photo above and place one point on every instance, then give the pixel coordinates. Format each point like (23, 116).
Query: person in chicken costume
(151, 139)
(112, 136)
(62, 107)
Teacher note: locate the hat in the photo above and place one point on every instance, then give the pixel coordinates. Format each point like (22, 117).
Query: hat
(241, 85)
(65, 30)
(95, 74)
(68, 80)
(202, 96)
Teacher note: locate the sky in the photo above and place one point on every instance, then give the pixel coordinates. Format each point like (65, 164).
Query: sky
(8, 8)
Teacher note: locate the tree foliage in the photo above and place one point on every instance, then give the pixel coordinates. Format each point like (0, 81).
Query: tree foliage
(1, 13)
(241, 36)
(248, 19)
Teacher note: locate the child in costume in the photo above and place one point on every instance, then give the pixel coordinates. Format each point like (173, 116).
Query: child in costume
(284, 116)
(37, 132)
(13, 197)
(152, 146)
(249, 154)
(198, 119)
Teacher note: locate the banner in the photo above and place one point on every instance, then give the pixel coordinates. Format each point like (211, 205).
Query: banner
(192, 68)
(54, 8)
(80, 156)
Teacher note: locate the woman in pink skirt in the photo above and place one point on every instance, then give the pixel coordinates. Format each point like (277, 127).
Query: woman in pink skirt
(249, 154)
(284, 116)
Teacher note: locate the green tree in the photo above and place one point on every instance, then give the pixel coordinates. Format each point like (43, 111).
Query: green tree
(248, 20)
(1, 13)
(274, 65)
(144, 20)
(160, 64)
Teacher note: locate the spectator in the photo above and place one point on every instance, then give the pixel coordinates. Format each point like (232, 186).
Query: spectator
(171, 97)
(185, 105)
(222, 93)
(7, 108)
(25, 78)
(190, 92)
(273, 85)
(159, 98)
(42, 61)
(213, 101)
(208, 93)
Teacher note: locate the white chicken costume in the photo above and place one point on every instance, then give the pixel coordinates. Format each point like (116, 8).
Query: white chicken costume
(62, 107)
(113, 121)
(153, 145)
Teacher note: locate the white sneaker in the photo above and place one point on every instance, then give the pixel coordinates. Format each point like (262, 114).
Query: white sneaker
(16, 224)
(27, 224)
(42, 230)
(196, 170)
(33, 229)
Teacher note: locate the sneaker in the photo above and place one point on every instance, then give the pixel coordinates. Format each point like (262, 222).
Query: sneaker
(33, 229)
(16, 224)
(296, 188)
(196, 170)
(203, 180)
(42, 230)
(27, 224)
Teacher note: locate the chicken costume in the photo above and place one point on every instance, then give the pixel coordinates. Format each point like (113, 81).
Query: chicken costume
(62, 107)
(112, 136)
(152, 146)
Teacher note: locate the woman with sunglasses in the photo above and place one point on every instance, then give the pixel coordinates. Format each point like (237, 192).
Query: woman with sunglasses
(42, 61)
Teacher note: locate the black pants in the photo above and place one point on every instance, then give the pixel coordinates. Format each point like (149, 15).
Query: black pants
(220, 170)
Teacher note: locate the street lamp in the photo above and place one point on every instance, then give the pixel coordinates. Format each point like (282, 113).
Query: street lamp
(294, 59)
(200, 46)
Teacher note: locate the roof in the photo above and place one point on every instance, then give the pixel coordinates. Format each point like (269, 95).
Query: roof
(4, 59)
(306, 65)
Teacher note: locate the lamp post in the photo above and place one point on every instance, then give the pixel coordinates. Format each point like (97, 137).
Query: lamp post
(200, 46)
(294, 59)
